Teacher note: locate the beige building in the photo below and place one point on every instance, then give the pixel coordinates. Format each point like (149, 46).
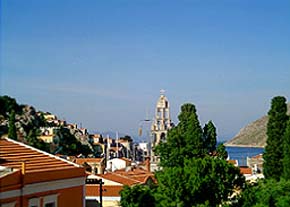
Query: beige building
(94, 165)
(48, 134)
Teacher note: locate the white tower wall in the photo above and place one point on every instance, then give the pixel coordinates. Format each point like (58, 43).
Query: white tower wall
(161, 124)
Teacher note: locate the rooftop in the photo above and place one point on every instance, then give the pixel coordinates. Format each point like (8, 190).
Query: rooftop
(81, 161)
(34, 162)
(245, 170)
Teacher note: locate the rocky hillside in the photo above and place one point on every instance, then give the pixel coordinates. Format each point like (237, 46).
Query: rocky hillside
(252, 135)
(31, 124)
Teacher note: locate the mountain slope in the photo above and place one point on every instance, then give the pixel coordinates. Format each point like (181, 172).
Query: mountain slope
(252, 135)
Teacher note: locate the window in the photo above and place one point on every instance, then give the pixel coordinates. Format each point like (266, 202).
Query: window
(50, 201)
(50, 204)
(34, 202)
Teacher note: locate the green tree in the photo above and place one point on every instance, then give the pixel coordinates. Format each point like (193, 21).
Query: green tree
(222, 152)
(183, 141)
(69, 145)
(32, 140)
(12, 132)
(269, 192)
(7, 105)
(273, 156)
(189, 127)
(190, 177)
(286, 158)
(137, 196)
(210, 137)
(201, 182)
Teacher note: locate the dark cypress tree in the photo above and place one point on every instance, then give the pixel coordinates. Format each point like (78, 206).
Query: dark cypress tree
(189, 127)
(12, 132)
(286, 158)
(209, 135)
(222, 152)
(184, 141)
(273, 156)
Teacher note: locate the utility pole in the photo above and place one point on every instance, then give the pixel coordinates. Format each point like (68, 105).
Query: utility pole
(100, 182)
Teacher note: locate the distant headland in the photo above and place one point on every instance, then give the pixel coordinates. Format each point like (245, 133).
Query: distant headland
(252, 135)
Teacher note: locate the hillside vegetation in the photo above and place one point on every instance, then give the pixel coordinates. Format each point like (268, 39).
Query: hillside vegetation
(25, 124)
(252, 135)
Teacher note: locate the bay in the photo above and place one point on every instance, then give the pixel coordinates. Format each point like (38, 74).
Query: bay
(241, 153)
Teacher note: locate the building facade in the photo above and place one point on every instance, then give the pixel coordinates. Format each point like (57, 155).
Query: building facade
(33, 178)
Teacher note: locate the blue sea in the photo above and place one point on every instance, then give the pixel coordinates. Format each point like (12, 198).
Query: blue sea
(241, 153)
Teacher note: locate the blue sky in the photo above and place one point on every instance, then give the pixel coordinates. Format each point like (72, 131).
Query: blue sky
(103, 63)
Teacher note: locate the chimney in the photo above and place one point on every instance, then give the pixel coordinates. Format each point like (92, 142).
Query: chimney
(147, 163)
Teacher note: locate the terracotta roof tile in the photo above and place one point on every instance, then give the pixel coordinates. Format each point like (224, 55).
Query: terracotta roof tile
(246, 170)
(81, 161)
(138, 174)
(120, 179)
(132, 177)
(13, 154)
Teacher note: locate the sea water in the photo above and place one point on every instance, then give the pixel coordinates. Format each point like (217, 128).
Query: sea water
(241, 153)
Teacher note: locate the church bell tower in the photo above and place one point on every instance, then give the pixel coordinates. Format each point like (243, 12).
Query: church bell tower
(161, 123)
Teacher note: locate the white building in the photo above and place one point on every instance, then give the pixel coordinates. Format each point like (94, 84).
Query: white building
(117, 164)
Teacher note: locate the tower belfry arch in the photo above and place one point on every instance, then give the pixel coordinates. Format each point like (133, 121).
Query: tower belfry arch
(161, 123)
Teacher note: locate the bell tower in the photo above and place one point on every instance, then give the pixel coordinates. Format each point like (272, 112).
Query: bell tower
(161, 123)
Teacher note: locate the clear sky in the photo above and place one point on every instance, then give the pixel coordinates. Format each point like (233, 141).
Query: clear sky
(103, 63)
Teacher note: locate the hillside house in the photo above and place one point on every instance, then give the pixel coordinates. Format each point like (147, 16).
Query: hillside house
(93, 165)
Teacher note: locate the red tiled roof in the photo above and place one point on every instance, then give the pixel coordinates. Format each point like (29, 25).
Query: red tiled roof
(119, 179)
(138, 174)
(131, 177)
(38, 164)
(133, 171)
(81, 161)
(246, 170)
